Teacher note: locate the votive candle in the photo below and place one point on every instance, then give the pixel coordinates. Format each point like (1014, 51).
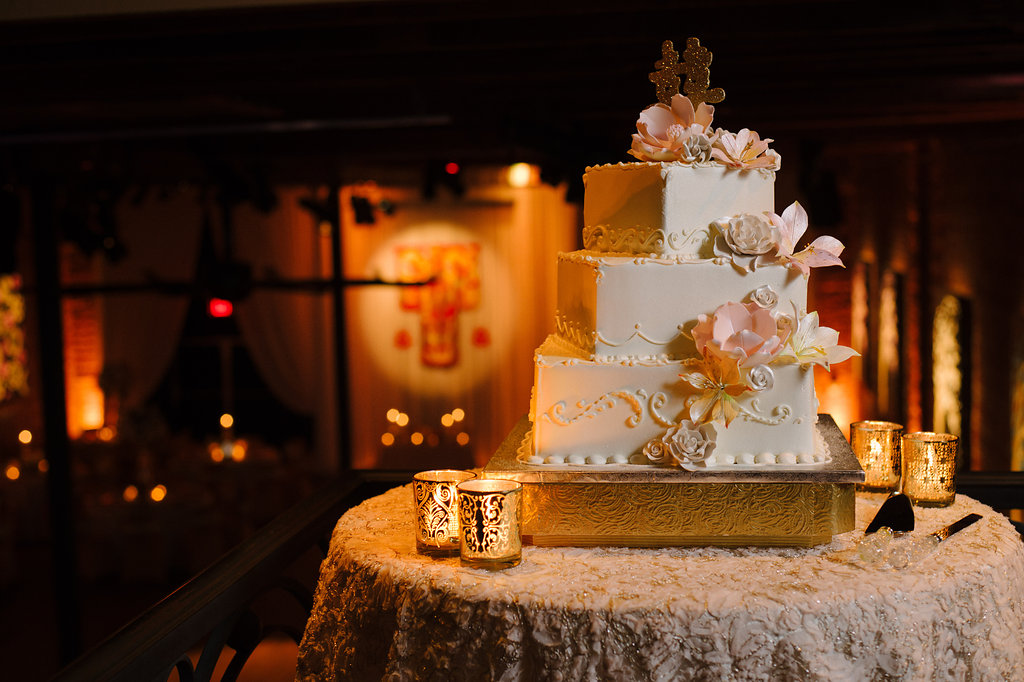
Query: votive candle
(876, 444)
(489, 520)
(437, 513)
(929, 468)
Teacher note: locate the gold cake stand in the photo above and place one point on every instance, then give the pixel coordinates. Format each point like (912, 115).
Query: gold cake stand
(586, 505)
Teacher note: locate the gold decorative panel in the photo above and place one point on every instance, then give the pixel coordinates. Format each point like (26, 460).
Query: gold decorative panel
(655, 507)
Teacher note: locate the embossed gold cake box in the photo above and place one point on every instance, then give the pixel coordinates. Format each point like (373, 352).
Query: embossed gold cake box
(660, 506)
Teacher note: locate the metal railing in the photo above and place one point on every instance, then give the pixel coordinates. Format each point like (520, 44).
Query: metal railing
(214, 608)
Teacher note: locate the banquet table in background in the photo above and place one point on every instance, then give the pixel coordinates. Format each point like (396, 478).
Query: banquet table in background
(382, 611)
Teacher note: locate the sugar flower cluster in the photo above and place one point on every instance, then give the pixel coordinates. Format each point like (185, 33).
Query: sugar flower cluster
(750, 240)
(739, 344)
(678, 132)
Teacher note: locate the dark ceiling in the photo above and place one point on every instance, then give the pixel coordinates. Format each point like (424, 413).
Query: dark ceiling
(484, 81)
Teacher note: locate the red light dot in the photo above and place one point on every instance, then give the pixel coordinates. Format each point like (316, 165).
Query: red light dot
(220, 307)
(451, 168)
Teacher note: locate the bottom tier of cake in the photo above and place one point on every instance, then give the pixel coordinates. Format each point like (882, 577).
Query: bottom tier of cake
(659, 507)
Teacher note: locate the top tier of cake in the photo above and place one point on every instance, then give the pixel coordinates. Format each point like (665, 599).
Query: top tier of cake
(665, 209)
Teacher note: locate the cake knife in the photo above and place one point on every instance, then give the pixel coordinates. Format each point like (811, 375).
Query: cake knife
(904, 554)
(880, 547)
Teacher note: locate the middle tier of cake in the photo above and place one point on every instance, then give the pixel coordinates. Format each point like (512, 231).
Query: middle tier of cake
(615, 307)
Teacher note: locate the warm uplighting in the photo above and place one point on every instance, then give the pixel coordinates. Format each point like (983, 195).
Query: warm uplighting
(416, 438)
(12, 472)
(522, 175)
(837, 399)
(106, 434)
(462, 438)
(92, 410)
(947, 373)
(458, 414)
(393, 415)
(227, 421)
(239, 450)
(216, 452)
(387, 439)
(25, 437)
(130, 494)
(158, 493)
(447, 420)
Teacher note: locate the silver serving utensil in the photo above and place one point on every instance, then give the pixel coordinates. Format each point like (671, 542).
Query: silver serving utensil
(944, 533)
(903, 554)
(896, 513)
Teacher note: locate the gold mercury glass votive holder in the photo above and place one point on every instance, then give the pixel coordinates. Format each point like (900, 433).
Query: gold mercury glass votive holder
(490, 512)
(929, 468)
(876, 444)
(437, 512)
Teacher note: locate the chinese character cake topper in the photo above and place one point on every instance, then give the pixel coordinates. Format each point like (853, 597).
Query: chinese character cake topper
(697, 67)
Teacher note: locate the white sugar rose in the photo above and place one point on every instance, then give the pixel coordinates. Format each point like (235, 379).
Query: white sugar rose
(657, 451)
(760, 378)
(765, 297)
(695, 149)
(749, 234)
(689, 444)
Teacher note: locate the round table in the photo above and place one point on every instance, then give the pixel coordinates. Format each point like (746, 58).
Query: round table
(382, 611)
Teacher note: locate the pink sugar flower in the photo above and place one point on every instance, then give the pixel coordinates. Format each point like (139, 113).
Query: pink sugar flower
(746, 332)
(744, 149)
(673, 133)
(791, 225)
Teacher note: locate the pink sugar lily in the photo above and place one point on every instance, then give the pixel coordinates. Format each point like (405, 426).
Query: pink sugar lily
(792, 224)
(744, 149)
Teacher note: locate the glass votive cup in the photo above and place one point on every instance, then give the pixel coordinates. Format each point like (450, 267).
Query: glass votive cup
(876, 444)
(489, 519)
(929, 468)
(437, 513)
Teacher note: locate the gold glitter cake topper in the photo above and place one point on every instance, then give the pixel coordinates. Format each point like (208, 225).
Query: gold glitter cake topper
(697, 67)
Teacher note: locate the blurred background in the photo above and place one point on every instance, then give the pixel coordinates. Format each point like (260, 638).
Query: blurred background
(247, 246)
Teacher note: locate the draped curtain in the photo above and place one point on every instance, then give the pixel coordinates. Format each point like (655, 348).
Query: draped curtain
(142, 331)
(290, 333)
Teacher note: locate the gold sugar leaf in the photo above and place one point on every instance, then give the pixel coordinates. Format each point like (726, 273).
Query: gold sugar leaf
(697, 65)
(666, 74)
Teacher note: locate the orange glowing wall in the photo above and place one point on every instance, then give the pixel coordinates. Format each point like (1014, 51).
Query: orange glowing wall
(83, 346)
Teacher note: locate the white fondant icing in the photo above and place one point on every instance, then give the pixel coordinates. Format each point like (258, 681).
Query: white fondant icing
(589, 408)
(642, 307)
(666, 208)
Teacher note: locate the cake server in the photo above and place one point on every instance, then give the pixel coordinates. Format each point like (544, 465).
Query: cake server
(956, 527)
(900, 554)
(896, 513)
(910, 552)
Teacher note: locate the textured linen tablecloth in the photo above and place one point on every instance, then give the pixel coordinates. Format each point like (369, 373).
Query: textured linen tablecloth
(382, 611)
